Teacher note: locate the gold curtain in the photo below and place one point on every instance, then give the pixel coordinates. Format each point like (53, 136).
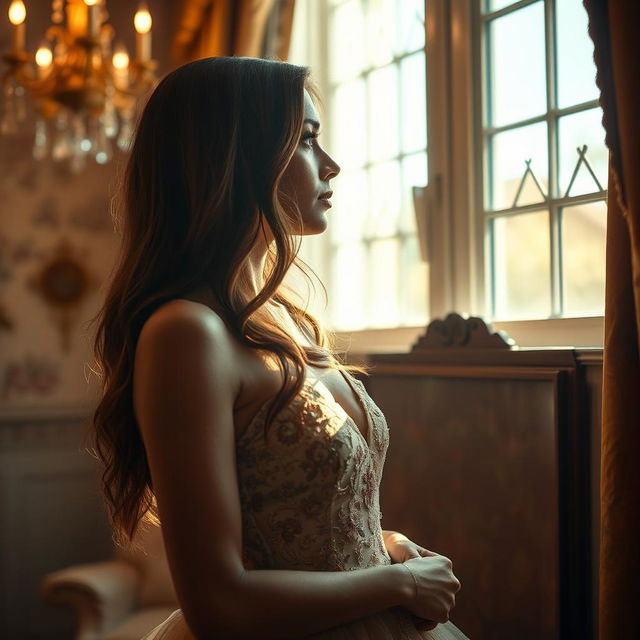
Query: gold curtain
(255, 28)
(613, 25)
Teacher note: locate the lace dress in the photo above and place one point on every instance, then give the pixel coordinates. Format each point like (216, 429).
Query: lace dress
(309, 498)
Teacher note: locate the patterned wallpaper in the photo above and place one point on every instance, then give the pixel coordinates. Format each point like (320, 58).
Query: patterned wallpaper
(45, 210)
(43, 207)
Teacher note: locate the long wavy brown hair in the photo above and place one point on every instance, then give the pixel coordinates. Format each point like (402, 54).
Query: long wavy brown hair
(201, 181)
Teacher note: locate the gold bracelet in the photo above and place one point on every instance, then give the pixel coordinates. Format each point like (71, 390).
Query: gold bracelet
(415, 582)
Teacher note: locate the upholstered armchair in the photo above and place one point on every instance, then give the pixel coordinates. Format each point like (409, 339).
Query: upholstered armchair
(120, 599)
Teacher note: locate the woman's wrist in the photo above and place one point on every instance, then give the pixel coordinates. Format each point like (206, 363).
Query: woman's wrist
(407, 584)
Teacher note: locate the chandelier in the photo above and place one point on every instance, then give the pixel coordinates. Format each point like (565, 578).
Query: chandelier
(83, 91)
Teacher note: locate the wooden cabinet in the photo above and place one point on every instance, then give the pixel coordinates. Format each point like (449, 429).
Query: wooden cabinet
(491, 462)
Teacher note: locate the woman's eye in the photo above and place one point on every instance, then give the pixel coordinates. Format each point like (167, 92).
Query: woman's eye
(309, 139)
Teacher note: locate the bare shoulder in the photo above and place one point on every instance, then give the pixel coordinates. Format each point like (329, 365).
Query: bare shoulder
(185, 322)
(189, 329)
(185, 343)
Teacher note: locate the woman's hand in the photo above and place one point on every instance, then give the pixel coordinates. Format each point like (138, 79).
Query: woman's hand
(435, 587)
(400, 549)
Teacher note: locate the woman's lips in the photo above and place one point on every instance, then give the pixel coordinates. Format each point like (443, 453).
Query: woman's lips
(325, 197)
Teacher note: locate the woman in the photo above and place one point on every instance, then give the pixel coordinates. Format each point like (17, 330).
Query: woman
(224, 414)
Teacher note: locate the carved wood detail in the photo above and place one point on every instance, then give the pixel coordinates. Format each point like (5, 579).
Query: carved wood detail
(457, 331)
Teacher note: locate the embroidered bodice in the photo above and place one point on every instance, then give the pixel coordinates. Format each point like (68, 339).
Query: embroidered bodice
(309, 498)
(309, 493)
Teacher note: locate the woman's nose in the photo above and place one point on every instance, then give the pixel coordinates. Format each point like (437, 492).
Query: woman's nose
(331, 169)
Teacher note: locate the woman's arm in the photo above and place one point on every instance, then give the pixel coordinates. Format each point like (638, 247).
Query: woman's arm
(294, 604)
(185, 385)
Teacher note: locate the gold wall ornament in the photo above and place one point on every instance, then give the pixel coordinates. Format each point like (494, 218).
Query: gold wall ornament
(84, 90)
(64, 282)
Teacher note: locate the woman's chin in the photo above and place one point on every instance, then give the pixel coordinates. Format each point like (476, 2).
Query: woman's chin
(315, 227)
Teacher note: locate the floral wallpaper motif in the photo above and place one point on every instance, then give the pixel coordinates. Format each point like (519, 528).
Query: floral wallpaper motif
(31, 375)
(41, 203)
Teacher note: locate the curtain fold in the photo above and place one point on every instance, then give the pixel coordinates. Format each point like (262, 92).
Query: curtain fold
(613, 26)
(255, 28)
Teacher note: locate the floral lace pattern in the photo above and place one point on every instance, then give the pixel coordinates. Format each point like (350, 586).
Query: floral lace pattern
(309, 498)
(309, 492)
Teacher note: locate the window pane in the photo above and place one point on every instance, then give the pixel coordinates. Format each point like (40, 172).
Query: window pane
(575, 131)
(411, 26)
(350, 206)
(414, 283)
(347, 42)
(348, 287)
(383, 121)
(385, 201)
(348, 124)
(414, 103)
(414, 174)
(521, 266)
(583, 258)
(381, 31)
(510, 151)
(383, 283)
(494, 5)
(517, 78)
(576, 69)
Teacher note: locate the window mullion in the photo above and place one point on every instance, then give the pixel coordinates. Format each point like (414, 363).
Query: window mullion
(555, 270)
(486, 175)
(481, 106)
(439, 142)
(553, 112)
(520, 4)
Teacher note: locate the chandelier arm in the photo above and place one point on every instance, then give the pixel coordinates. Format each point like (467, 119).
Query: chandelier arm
(55, 31)
(78, 83)
(26, 78)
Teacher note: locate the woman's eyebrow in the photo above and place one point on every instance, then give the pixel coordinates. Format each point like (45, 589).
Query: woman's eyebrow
(314, 123)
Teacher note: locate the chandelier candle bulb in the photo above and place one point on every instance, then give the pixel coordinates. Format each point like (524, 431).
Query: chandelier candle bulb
(142, 22)
(17, 16)
(120, 62)
(93, 17)
(44, 58)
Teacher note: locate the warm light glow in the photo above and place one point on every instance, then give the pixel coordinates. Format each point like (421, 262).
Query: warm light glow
(120, 58)
(17, 12)
(44, 56)
(91, 3)
(142, 19)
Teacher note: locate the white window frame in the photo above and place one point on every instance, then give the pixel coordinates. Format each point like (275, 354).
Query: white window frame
(318, 250)
(456, 237)
(468, 266)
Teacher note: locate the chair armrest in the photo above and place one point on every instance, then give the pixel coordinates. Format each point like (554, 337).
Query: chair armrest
(101, 594)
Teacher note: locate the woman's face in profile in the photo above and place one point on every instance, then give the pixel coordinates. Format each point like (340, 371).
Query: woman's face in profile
(306, 178)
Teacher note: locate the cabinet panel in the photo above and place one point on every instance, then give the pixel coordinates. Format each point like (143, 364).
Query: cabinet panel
(471, 473)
